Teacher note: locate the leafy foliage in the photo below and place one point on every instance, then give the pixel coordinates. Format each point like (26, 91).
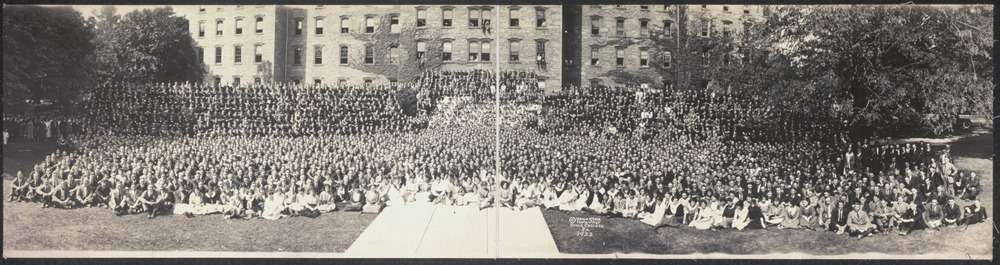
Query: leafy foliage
(47, 55)
(151, 45)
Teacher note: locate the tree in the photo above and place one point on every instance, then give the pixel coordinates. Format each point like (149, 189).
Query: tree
(146, 46)
(47, 55)
(902, 67)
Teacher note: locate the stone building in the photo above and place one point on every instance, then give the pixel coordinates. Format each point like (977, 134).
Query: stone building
(642, 44)
(373, 44)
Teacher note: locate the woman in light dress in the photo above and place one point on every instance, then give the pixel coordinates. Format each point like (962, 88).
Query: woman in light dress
(549, 198)
(656, 219)
(708, 216)
(393, 194)
(742, 217)
(567, 199)
(792, 215)
(274, 205)
(581, 200)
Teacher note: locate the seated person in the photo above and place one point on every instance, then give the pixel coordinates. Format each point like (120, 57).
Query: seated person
(325, 201)
(62, 196)
(356, 200)
(975, 213)
(791, 216)
(117, 200)
(859, 224)
(373, 201)
(807, 216)
(903, 215)
(933, 215)
(741, 217)
(952, 213)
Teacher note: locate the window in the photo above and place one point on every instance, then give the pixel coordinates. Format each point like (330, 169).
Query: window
(421, 17)
(238, 54)
(595, 26)
(446, 51)
(421, 49)
(474, 50)
(258, 55)
(727, 28)
(201, 28)
(446, 17)
(343, 54)
(217, 80)
(218, 27)
(201, 54)
(369, 54)
(725, 9)
(620, 27)
(514, 20)
(236, 81)
(643, 57)
(318, 55)
(746, 11)
(369, 24)
(539, 18)
(705, 23)
(201, 9)
(256, 80)
(368, 81)
(297, 56)
(345, 25)
(620, 57)
(239, 26)
(218, 54)
(296, 81)
(317, 82)
(644, 28)
(341, 82)
(515, 51)
(319, 26)
(595, 82)
(667, 60)
(394, 24)
(394, 54)
(644, 8)
(474, 15)
(259, 25)
(595, 56)
(299, 25)
(668, 27)
(540, 52)
(485, 55)
(393, 81)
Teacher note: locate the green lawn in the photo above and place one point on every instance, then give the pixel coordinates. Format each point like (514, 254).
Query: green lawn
(631, 236)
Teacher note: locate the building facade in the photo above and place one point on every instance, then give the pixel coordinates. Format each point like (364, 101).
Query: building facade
(355, 44)
(642, 44)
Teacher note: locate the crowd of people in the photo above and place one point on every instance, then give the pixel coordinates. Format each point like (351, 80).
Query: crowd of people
(268, 177)
(21, 128)
(701, 113)
(716, 184)
(516, 86)
(717, 161)
(255, 110)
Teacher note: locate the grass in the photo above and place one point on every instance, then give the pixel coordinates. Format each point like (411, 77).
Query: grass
(26, 226)
(631, 236)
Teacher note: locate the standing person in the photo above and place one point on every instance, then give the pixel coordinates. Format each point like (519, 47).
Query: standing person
(6, 136)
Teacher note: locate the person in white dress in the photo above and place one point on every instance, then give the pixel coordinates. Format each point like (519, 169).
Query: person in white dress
(742, 217)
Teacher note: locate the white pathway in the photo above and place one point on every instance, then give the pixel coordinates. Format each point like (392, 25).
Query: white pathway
(451, 231)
